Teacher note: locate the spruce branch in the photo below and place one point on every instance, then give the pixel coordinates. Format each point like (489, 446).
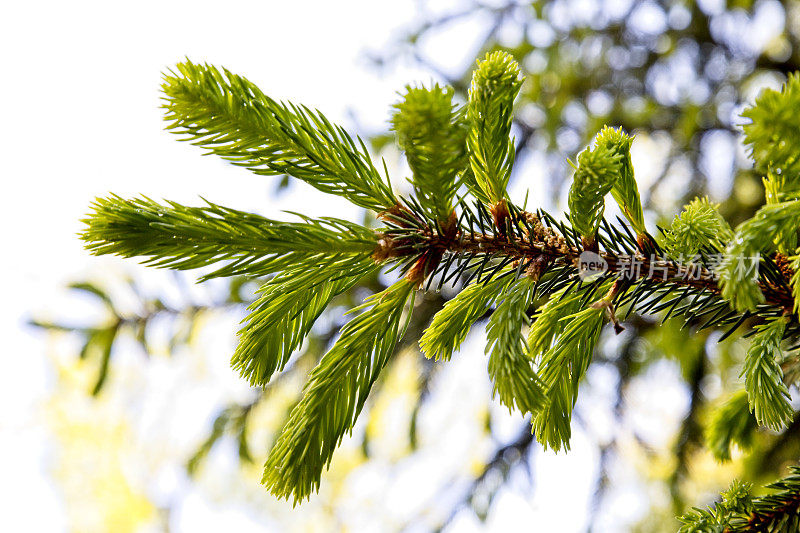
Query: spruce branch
(776, 512)
(775, 192)
(285, 311)
(698, 227)
(175, 236)
(450, 326)
(527, 243)
(766, 392)
(549, 324)
(230, 116)
(513, 376)
(597, 171)
(754, 237)
(432, 131)
(561, 369)
(737, 500)
(335, 394)
(625, 190)
(772, 133)
(563, 336)
(495, 84)
(739, 512)
(508, 259)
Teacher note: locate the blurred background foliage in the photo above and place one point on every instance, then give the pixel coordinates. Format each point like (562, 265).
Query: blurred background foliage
(146, 408)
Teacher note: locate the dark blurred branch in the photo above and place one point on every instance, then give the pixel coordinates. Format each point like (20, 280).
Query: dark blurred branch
(691, 433)
(503, 460)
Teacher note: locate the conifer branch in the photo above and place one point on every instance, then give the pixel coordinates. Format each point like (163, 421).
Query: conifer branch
(451, 325)
(180, 237)
(625, 190)
(285, 311)
(510, 260)
(230, 116)
(739, 512)
(698, 227)
(595, 175)
(766, 392)
(532, 257)
(759, 234)
(432, 131)
(511, 369)
(495, 84)
(772, 131)
(562, 368)
(549, 322)
(531, 240)
(335, 394)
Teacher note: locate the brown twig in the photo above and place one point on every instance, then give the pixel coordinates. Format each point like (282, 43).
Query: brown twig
(545, 248)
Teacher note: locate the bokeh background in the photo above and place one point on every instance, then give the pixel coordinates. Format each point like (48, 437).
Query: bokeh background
(118, 410)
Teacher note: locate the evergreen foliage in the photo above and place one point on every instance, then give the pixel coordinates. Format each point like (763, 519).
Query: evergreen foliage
(739, 511)
(286, 309)
(759, 234)
(432, 132)
(451, 325)
(625, 191)
(562, 368)
(231, 117)
(495, 84)
(772, 147)
(766, 392)
(778, 188)
(509, 260)
(698, 227)
(183, 238)
(335, 394)
(717, 519)
(514, 379)
(549, 323)
(597, 171)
